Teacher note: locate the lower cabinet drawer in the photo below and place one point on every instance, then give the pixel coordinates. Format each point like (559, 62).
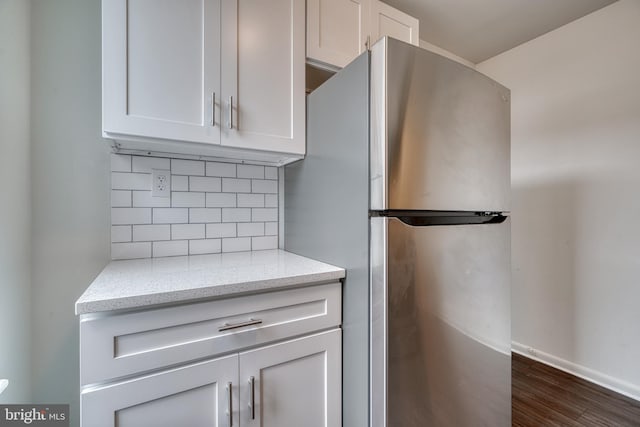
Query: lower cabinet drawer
(120, 345)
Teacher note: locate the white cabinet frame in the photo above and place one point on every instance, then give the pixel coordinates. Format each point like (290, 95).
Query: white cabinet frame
(340, 30)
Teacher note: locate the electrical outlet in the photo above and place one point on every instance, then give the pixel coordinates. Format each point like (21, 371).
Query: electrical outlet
(161, 183)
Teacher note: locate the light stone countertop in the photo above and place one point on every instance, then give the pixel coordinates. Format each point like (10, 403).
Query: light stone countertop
(141, 283)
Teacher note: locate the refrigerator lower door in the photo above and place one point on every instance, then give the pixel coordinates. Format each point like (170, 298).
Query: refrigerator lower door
(441, 329)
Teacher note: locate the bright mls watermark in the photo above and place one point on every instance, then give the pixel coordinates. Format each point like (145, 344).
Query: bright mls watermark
(34, 415)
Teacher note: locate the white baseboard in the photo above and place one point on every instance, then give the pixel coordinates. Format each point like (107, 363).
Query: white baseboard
(606, 381)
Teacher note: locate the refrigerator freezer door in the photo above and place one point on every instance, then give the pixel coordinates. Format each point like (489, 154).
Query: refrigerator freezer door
(440, 133)
(440, 312)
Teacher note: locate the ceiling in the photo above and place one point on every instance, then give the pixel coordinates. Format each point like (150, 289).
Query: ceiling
(480, 29)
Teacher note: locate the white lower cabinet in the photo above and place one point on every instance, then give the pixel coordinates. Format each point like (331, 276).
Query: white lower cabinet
(272, 359)
(195, 396)
(292, 384)
(289, 384)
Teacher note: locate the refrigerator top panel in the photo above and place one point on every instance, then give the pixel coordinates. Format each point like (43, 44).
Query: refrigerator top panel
(440, 133)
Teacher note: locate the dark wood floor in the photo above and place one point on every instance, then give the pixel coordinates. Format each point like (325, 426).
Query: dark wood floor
(544, 396)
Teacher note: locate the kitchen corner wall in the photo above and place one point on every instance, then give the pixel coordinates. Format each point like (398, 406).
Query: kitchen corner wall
(576, 179)
(15, 214)
(213, 207)
(70, 189)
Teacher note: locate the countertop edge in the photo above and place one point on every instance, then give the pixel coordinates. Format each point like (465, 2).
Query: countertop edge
(146, 301)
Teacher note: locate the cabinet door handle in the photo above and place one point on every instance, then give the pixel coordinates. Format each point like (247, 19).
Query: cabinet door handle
(231, 112)
(213, 109)
(252, 403)
(228, 326)
(230, 403)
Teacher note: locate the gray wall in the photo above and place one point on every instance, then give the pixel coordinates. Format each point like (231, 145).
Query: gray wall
(575, 152)
(326, 215)
(70, 172)
(15, 196)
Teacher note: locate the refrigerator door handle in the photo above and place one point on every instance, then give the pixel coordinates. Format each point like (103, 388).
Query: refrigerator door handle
(432, 218)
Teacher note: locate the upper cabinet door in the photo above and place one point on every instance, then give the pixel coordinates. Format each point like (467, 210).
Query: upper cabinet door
(161, 69)
(263, 75)
(337, 30)
(387, 21)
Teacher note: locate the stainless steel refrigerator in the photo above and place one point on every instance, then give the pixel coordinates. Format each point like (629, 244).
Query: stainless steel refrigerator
(406, 185)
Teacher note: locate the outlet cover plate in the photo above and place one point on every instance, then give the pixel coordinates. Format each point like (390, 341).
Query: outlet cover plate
(160, 183)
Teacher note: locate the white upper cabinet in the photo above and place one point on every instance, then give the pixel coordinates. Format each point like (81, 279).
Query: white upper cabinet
(387, 21)
(340, 30)
(161, 65)
(337, 30)
(263, 74)
(205, 77)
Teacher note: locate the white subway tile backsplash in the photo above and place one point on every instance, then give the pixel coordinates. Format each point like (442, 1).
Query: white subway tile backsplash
(171, 248)
(250, 171)
(236, 215)
(248, 229)
(145, 164)
(204, 215)
(271, 172)
(187, 167)
(130, 250)
(125, 216)
(187, 199)
(221, 200)
(270, 200)
(205, 184)
(187, 231)
(221, 230)
(179, 183)
(130, 181)
(120, 198)
(264, 186)
(264, 214)
(120, 163)
(213, 207)
(205, 246)
(265, 242)
(170, 215)
(271, 228)
(233, 185)
(143, 199)
(227, 170)
(237, 244)
(251, 200)
(120, 233)
(150, 233)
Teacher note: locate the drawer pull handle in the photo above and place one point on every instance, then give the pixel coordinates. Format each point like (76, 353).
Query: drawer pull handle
(228, 326)
(252, 404)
